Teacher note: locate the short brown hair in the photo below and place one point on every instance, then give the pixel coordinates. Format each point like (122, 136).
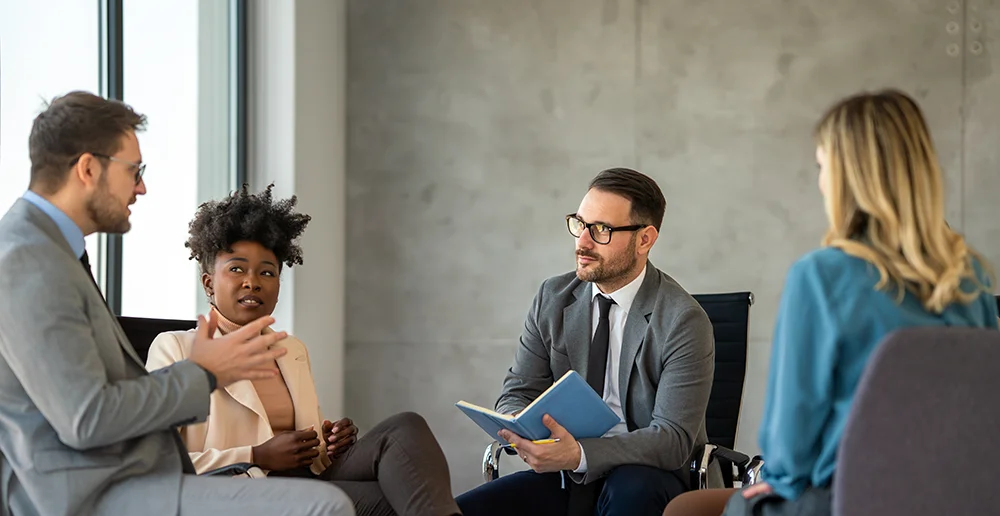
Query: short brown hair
(71, 125)
(647, 200)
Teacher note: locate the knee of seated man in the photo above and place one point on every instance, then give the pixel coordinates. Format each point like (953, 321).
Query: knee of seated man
(329, 499)
(631, 482)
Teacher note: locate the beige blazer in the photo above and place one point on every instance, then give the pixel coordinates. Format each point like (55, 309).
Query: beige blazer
(237, 420)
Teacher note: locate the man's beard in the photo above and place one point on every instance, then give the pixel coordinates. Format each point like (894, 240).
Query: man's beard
(606, 270)
(104, 209)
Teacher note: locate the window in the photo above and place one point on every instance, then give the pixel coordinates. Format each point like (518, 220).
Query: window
(181, 64)
(42, 56)
(178, 70)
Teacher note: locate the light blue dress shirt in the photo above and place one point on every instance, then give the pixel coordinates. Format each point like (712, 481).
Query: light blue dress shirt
(71, 232)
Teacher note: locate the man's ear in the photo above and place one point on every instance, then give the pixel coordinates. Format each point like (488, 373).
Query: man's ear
(647, 237)
(88, 170)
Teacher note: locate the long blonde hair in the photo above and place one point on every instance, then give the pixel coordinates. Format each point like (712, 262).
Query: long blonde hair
(885, 199)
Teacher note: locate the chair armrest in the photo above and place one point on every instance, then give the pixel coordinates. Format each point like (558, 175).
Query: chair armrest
(491, 460)
(748, 468)
(752, 475)
(699, 467)
(232, 470)
(733, 456)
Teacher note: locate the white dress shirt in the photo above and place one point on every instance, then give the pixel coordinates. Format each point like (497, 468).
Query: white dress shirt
(623, 298)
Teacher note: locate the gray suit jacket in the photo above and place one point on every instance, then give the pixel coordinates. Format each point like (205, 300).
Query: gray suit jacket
(81, 422)
(665, 376)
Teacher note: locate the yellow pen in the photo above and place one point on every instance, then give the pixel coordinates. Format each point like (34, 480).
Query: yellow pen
(540, 441)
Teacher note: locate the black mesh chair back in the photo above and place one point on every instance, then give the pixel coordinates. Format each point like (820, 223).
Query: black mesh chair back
(141, 331)
(730, 316)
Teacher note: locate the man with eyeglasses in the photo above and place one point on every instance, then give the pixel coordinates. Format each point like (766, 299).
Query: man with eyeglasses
(84, 429)
(641, 341)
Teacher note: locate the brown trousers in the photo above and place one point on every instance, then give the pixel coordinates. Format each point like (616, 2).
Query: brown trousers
(395, 469)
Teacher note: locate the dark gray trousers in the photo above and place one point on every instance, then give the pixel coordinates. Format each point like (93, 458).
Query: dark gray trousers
(396, 469)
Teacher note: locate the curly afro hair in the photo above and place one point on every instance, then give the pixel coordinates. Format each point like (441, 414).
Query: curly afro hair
(243, 216)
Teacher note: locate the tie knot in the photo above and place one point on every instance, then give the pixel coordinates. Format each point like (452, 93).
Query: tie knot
(604, 302)
(85, 259)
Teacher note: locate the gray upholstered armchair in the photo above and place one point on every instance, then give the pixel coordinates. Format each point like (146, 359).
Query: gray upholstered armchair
(923, 415)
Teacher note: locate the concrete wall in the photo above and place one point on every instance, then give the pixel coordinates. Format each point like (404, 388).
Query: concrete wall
(474, 126)
(296, 111)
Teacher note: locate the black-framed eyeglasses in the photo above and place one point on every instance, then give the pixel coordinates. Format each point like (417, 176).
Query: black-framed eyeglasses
(599, 232)
(139, 168)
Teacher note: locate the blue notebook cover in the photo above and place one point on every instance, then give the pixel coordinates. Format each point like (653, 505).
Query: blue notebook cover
(570, 401)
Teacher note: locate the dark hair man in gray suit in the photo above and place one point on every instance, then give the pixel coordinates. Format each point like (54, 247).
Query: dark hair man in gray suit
(84, 429)
(639, 339)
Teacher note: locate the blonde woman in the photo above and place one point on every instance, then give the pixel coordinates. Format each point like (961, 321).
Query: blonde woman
(889, 261)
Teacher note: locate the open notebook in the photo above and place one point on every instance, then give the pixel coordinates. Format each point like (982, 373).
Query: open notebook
(570, 401)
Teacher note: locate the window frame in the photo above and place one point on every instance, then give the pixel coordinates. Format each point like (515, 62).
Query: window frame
(111, 20)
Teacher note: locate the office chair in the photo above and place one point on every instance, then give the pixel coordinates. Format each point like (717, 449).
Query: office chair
(730, 317)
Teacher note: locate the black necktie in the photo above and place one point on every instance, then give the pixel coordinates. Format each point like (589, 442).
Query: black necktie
(85, 260)
(597, 361)
(186, 465)
(583, 497)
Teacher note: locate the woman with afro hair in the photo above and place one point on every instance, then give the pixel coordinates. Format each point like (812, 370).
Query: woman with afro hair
(242, 244)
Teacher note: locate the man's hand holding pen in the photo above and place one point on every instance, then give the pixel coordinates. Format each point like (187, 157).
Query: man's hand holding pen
(559, 452)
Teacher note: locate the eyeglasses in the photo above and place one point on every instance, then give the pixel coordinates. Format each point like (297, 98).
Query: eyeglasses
(139, 168)
(599, 232)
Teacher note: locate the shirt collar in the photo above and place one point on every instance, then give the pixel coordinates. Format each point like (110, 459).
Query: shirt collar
(624, 296)
(70, 231)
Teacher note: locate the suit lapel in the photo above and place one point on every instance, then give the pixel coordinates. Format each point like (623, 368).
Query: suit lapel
(635, 328)
(51, 230)
(124, 342)
(120, 336)
(577, 322)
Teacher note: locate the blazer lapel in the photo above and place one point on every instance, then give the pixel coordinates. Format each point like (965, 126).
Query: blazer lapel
(294, 366)
(577, 328)
(291, 366)
(244, 393)
(635, 328)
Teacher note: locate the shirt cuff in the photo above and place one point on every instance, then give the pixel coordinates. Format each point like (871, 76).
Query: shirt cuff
(582, 468)
(212, 381)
